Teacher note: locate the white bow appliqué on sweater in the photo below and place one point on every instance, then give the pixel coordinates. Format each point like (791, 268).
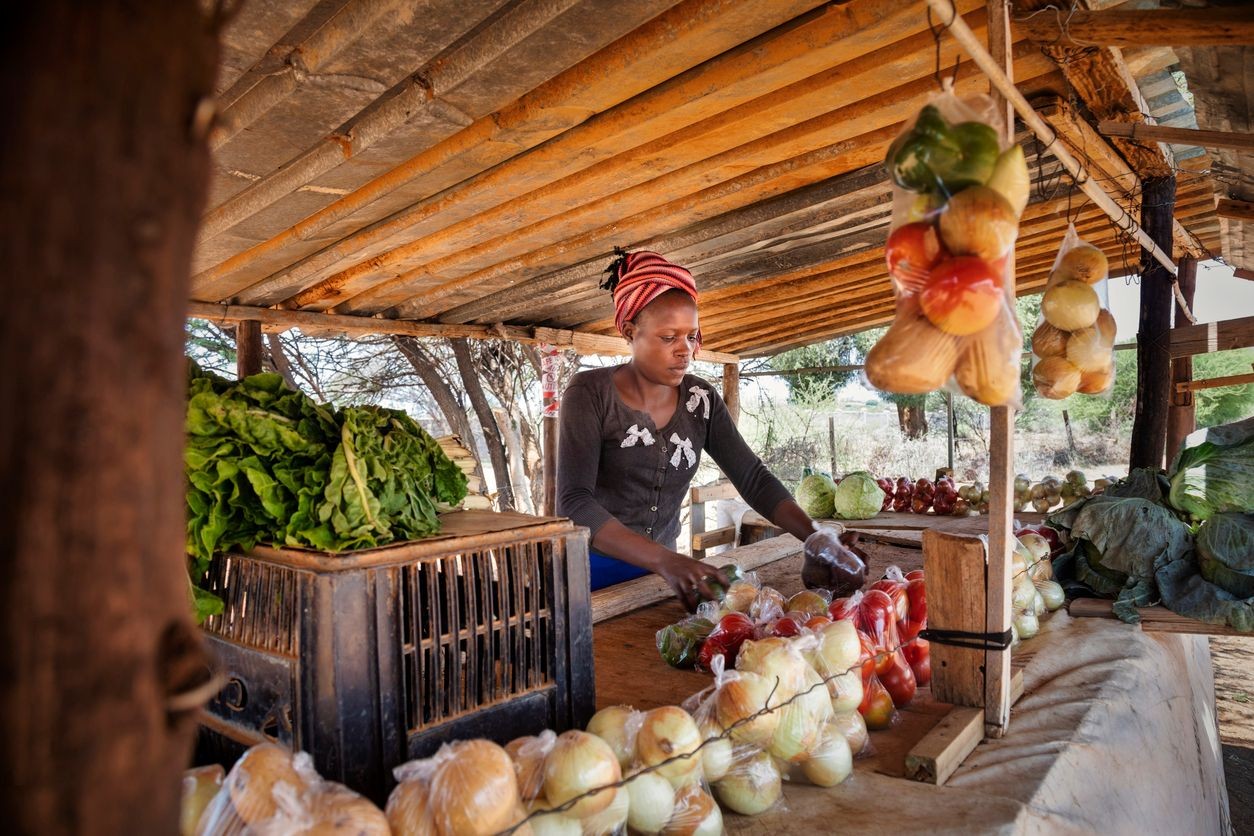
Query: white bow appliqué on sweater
(699, 396)
(634, 434)
(683, 449)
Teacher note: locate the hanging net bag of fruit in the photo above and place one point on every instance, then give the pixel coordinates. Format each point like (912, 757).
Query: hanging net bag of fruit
(1073, 346)
(958, 192)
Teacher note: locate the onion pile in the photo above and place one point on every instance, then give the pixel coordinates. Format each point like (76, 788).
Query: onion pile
(1073, 346)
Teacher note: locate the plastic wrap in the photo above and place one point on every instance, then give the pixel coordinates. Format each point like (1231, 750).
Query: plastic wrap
(200, 785)
(272, 792)
(1073, 344)
(467, 787)
(873, 614)
(909, 596)
(833, 562)
(958, 192)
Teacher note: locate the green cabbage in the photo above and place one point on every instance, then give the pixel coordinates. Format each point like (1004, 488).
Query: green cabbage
(1225, 552)
(1214, 471)
(814, 495)
(858, 497)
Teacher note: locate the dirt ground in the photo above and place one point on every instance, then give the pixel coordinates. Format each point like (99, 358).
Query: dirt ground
(1234, 699)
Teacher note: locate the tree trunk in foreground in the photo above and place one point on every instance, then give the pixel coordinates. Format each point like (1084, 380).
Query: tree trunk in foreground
(104, 173)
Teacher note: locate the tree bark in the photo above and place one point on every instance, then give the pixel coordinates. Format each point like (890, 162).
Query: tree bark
(249, 349)
(912, 420)
(1153, 375)
(278, 359)
(105, 172)
(424, 366)
(491, 433)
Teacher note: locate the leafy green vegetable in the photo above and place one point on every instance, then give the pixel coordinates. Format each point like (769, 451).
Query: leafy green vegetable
(678, 644)
(1186, 592)
(266, 464)
(814, 495)
(1132, 537)
(1225, 552)
(857, 497)
(1214, 471)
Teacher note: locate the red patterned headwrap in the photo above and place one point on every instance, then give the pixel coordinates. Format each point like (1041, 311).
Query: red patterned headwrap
(636, 279)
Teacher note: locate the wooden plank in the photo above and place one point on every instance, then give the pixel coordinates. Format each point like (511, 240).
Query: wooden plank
(1181, 417)
(1235, 210)
(1153, 359)
(1209, 337)
(953, 568)
(938, 755)
(702, 540)
(714, 492)
(248, 348)
(1178, 136)
(1214, 382)
(632, 595)
(1153, 619)
(1142, 27)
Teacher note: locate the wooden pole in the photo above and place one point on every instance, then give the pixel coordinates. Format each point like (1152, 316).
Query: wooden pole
(831, 442)
(550, 357)
(248, 348)
(1153, 377)
(1001, 439)
(105, 170)
(1141, 27)
(1181, 416)
(1179, 136)
(731, 389)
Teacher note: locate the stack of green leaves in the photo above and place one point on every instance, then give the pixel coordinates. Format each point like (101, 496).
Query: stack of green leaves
(266, 464)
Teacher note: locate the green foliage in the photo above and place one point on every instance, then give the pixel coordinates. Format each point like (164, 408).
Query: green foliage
(814, 388)
(1224, 404)
(267, 464)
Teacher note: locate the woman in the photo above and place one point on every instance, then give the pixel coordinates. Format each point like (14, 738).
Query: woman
(631, 438)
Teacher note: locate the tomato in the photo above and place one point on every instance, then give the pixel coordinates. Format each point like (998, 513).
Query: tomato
(916, 619)
(963, 295)
(843, 609)
(785, 628)
(898, 679)
(897, 591)
(866, 658)
(818, 622)
(731, 632)
(877, 615)
(877, 706)
(912, 251)
(914, 575)
(919, 655)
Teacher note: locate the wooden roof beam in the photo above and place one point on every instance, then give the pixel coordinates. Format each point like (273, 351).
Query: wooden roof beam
(1235, 210)
(278, 319)
(880, 117)
(1178, 136)
(669, 44)
(1219, 26)
(756, 131)
(1101, 79)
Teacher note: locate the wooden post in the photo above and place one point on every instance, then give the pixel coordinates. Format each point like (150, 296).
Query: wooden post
(550, 356)
(831, 442)
(953, 569)
(1002, 450)
(105, 169)
(731, 389)
(949, 429)
(248, 348)
(1153, 374)
(1181, 412)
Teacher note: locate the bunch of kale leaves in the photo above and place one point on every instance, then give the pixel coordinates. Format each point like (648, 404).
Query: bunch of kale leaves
(266, 464)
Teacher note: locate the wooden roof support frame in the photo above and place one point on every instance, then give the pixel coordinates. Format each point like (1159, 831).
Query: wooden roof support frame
(1178, 136)
(958, 28)
(1222, 26)
(578, 341)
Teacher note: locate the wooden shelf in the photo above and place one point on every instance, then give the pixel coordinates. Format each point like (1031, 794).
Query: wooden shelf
(1153, 619)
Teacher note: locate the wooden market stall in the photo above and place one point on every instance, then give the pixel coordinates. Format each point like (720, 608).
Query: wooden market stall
(464, 170)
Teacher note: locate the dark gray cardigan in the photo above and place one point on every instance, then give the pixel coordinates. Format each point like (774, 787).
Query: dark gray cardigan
(613, 462)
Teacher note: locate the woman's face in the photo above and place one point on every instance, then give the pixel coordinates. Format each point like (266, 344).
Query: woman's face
(663, 338)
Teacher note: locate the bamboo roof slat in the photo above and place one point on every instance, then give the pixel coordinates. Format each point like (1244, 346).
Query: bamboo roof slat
(466, 168)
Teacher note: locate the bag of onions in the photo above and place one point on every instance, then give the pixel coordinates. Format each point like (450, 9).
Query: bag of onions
(1073, 346)
(271, 791)
(958, 193)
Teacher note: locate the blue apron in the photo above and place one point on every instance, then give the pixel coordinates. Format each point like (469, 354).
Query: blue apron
(606, 571)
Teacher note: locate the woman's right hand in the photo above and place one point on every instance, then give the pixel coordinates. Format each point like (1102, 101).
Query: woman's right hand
(691, 579)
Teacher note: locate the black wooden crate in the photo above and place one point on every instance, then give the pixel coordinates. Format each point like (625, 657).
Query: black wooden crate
(369, 659)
